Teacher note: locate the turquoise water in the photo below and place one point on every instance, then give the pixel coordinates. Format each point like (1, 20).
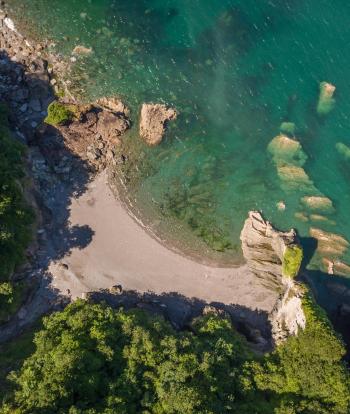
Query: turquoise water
(235, 70)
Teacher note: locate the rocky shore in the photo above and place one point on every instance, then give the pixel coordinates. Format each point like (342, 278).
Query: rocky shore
(64, 159)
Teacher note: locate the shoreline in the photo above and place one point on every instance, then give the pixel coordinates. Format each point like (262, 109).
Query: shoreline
(183, 244)
(99, 244)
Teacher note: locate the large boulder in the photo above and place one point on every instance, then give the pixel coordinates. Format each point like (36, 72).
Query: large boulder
(154, 118)
(275, 257)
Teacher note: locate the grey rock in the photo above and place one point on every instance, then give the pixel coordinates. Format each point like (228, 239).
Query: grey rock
(263, 248)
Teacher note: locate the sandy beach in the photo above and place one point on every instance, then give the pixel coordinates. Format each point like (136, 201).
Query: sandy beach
(122, 252)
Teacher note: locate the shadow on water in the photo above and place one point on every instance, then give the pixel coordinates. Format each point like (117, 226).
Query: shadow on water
(58, 175)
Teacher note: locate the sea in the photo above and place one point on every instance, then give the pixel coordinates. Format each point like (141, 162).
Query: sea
(240, 73)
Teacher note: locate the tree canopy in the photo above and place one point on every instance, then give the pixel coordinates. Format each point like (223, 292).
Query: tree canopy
(91, 359)
(15, 216)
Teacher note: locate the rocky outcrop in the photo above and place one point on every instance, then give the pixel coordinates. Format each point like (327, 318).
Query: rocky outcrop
(154, 118)
(275, 257)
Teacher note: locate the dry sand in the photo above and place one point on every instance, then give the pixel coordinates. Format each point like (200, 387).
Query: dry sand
(122, 252)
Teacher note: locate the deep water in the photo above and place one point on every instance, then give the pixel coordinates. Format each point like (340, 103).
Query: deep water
(235, 70)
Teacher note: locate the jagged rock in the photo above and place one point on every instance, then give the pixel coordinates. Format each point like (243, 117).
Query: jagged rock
(275, 257)
(114, 104)
(153, 122)
(111, 125)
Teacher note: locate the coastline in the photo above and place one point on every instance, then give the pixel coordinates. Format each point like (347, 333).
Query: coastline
(111, 247)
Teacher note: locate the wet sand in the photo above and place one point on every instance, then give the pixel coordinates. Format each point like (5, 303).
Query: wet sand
(122, 252)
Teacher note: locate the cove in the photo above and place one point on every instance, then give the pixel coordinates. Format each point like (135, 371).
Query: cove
(235, 71)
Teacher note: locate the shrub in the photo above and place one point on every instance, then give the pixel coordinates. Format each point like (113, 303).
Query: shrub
(58, 114)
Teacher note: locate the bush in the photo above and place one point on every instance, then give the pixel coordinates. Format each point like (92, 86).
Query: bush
(91, 359)
(58, 114)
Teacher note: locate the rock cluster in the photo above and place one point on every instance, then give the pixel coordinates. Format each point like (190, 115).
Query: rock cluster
(154, 118)
(266, 250)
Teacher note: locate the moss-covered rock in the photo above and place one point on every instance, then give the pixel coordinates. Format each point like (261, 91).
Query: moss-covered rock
(292, 259)
(58, 114)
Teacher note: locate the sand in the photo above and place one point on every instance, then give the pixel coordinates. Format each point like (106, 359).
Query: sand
(123, 252)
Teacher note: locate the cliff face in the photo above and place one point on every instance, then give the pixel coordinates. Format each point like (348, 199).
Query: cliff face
(275, 257)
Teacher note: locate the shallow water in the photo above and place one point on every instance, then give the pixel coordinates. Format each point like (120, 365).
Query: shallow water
(235, 70)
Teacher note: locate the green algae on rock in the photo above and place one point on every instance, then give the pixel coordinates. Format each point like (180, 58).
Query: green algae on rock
(58, 114)
(292, 259)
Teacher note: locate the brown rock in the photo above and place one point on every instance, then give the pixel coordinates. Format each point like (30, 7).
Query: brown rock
(154, 118)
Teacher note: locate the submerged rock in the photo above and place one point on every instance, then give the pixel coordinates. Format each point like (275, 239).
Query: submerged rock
(343, 150)
(326, 101)
(154, 118)
(321, 203)
(286, 150)
(329, 244)
(275, 257)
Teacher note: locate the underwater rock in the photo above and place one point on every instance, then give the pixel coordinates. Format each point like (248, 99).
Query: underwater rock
(294, 178)
(301, 216)
(287, 128)
(326, 101)
(319, 217)
(330, 244)
(81, 50)
(275, 257)
(343, 150)
(286, 150)
(321, 203)
(281, 206)
(154, 118)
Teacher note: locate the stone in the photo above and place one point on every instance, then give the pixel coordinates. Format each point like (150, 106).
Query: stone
(35, 105)
(268, 253)
(116, 289)
(154, 118)
(326, 101)
(343, 150)
(82, 50)
(286, 150)
(114, 104)
(329, 244)
(321, 203)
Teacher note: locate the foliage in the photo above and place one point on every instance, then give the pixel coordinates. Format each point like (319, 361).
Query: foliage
(91, 359)
(307, 373)
(58, 114)
(292, 259)
(15, 217)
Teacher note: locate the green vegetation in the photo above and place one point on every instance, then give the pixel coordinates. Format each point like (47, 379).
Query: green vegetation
(15, 217)
(91, 359)
(58, 114)
(292, 259)
(12, 356)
